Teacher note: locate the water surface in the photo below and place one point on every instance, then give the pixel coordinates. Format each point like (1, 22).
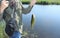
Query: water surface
(47, 21)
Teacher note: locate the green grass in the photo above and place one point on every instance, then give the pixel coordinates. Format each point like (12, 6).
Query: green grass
(38, 1)
(43, 0)
(29, 0)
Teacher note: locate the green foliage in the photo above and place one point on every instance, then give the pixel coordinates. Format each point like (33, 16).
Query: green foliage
(48, 1)
(29, 0)
(43, 0)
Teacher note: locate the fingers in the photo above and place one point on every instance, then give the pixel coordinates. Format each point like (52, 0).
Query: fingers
(7, 2)
(32, 2)
(4, 0)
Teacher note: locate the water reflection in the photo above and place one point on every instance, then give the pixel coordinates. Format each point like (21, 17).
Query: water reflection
(47, 21)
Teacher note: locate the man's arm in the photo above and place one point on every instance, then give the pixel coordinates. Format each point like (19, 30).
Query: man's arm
(28, 9)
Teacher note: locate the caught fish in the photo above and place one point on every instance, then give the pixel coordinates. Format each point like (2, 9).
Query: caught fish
(32, 20)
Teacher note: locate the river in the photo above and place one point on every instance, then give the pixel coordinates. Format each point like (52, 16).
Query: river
(47, 21)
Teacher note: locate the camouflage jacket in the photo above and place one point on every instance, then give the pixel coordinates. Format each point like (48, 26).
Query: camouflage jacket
(19, 9)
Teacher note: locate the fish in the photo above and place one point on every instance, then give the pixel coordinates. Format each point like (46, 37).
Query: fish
(32, 20)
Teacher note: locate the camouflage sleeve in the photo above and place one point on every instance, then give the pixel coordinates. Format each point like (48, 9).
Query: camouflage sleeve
(26, 10)
(7, 14)
(9, 10)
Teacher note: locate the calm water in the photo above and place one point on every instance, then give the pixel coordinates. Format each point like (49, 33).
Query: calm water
(47, 21)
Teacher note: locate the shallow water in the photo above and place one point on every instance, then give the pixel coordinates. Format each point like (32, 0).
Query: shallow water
(47, 21)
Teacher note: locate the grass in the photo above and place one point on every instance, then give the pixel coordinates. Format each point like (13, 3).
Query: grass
(27, 1)
(39, 1)
(43, 0)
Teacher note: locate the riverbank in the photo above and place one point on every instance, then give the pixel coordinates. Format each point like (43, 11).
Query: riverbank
(42, 2)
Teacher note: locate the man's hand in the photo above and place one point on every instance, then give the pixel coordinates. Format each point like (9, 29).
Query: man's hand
(32, 2)
(4, 5)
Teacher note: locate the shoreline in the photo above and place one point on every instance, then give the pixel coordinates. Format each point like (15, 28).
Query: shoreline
(43, 3)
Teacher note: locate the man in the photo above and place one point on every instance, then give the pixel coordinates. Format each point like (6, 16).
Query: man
(3, 5)
(16, 6)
